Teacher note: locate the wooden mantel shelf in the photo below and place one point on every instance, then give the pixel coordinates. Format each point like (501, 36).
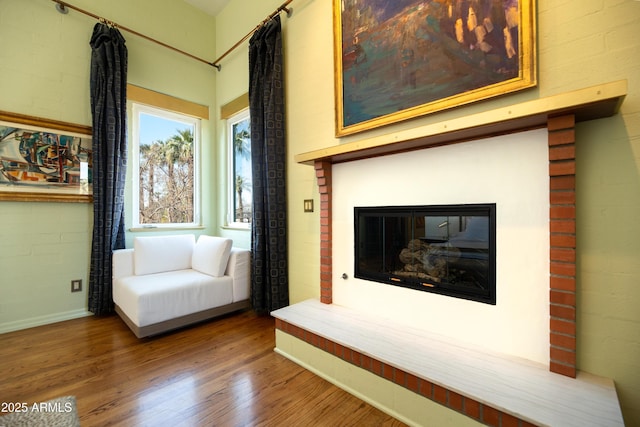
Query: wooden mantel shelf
(591, 103)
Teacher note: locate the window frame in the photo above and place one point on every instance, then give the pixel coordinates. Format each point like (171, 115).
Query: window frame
(232, 120)
(137, 109)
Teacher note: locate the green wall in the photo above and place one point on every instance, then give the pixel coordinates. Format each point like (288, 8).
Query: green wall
(44, 72)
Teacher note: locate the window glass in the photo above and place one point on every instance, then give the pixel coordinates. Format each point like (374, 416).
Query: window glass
(165, 168)
(240, 195)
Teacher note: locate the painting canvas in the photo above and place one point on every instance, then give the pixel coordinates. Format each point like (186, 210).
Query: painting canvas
(40, 163)
(400, 59)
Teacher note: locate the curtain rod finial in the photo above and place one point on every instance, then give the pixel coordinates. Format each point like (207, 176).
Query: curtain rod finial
(61, 8)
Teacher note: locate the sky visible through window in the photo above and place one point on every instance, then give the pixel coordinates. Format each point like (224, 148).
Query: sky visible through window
(241, 179)
(153, 128)
(243, 163)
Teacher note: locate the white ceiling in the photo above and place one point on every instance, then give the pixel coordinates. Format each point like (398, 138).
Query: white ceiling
(211, 7)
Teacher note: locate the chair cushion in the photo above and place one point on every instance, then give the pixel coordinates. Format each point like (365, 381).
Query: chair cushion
(211, 254)
(157, 254)
(154, 298)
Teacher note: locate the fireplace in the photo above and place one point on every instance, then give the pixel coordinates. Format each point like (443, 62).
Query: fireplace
(558, 114)
(445, 249)
(452, 185)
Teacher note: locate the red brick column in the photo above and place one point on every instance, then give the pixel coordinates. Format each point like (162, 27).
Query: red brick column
(323, 173)
(562, 197)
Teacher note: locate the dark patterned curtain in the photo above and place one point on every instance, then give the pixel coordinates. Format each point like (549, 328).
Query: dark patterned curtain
(270, 276)
(109, 112)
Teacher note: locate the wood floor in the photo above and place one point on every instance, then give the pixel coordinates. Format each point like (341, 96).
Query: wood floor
(220, 373)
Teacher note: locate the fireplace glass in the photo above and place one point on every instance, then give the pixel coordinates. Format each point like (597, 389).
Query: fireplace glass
(448, 249)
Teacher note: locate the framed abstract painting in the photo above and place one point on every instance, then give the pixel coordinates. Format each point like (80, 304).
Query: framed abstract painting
(44, 160)
(396, 60)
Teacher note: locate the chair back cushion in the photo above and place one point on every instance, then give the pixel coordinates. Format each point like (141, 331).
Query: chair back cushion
(157, 254)
(211, 254)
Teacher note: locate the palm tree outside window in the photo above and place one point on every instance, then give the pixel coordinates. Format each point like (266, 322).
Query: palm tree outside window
(240, 195)
(165, 152)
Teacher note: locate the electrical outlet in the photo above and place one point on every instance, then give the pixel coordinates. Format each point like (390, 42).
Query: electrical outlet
(76, 285)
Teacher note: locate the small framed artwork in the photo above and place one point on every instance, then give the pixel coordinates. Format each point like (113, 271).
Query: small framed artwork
(44, 160)
(396, 60)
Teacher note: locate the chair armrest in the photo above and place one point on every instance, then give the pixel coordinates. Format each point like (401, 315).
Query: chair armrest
(239, 268)
(122, 263)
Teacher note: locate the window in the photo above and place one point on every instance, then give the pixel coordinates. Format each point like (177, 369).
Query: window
(165, 168)
(240, 197)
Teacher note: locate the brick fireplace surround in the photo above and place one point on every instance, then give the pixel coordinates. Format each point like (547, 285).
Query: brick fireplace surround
(562, 213)
(559, 115)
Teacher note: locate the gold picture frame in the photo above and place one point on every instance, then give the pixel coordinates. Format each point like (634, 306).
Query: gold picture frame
(44, 160)
(403, 59)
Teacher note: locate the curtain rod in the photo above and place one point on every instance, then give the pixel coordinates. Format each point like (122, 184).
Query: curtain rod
(61, 7)
(282, 7)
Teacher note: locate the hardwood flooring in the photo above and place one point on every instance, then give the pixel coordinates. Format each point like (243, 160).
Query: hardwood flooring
(220, 373)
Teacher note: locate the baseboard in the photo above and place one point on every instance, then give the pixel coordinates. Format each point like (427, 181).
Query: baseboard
(32, 322)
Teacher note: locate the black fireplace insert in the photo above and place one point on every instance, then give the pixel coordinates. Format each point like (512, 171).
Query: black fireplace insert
(445, 249)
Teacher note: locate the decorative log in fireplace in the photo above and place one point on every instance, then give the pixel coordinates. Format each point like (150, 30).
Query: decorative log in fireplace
(448, 250)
